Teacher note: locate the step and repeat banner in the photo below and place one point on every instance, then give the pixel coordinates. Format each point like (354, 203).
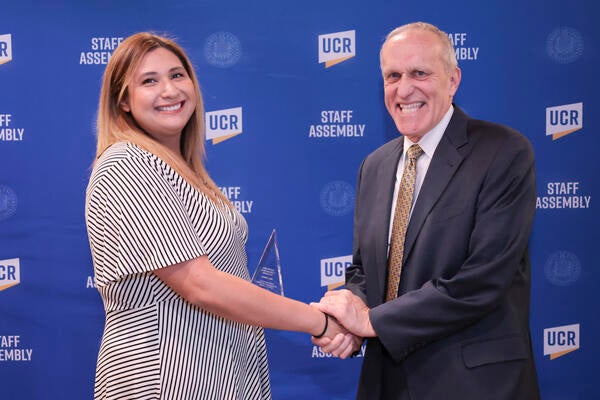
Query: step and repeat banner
(294, 102)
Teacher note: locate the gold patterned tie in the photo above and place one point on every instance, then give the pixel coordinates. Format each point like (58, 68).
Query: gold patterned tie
(401, 213)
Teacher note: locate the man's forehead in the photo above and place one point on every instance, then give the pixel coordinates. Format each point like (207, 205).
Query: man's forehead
(410, 35)
(408, 48)
(410, 56)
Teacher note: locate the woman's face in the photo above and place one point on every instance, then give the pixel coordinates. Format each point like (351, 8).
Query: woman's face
(161, 97)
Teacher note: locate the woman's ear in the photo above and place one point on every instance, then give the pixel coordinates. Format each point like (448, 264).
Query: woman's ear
(125, 104)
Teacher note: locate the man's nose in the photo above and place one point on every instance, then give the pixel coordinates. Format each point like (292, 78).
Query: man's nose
(404, 87)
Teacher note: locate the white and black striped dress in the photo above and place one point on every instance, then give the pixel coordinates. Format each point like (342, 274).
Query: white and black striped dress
(141, 215)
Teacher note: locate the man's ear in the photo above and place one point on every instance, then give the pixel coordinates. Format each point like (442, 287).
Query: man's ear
(124, 104)
(455, 80)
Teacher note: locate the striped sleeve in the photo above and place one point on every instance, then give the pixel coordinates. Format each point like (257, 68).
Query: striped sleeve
(137, 221)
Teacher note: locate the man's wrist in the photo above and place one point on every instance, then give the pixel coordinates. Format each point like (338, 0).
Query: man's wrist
(369, 331)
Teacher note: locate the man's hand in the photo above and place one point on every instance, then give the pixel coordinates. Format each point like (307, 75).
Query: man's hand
(342, 345)
(349, 310)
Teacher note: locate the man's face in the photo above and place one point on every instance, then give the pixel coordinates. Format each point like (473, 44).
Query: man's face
(418, 88)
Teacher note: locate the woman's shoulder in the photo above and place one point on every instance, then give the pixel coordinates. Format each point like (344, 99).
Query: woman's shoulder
(126, 164)
(126, 156)
(124, 151)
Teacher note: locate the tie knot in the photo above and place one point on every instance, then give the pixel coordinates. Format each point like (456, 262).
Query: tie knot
(414, 152)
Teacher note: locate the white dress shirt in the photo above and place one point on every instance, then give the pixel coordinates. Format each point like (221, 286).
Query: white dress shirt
(428, 143)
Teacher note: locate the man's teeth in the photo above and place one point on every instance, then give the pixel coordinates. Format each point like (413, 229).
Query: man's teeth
(170, 108)
(410, 107)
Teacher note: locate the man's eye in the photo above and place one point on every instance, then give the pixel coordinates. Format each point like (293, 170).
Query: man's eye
(420, 74)
(393, 76)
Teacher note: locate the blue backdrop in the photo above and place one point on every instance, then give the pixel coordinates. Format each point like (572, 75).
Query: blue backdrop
(293, 97)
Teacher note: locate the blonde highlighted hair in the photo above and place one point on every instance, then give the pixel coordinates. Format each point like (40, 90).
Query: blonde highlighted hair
(116, 125)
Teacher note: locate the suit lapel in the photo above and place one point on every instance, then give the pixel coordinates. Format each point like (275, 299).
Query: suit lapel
(386, 177)
(444, 164)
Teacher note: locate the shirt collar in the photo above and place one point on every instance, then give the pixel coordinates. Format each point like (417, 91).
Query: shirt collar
(430, 140)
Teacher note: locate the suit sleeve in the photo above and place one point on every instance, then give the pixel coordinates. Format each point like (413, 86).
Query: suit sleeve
(355, 274)
(495, 259)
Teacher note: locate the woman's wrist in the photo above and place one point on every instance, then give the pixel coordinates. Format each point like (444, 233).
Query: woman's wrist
(324, 327)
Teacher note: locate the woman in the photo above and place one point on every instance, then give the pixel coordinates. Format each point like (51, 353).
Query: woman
(182, 318)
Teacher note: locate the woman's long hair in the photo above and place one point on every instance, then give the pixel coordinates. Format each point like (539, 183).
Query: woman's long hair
(116, 125)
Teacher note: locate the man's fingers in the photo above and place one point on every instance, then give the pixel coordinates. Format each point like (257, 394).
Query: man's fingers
(333, 345)
(322, 341)
(345, 347)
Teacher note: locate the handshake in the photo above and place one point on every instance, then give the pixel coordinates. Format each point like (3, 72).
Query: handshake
(348, 324)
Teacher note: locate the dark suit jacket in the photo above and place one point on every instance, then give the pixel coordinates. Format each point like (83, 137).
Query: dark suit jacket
(460, 326)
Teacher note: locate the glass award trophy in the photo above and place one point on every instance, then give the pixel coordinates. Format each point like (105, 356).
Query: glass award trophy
(268, 272)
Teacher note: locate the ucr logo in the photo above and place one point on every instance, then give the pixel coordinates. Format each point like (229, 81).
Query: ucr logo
(9, 273)
(335, 48)
(562, 120)
(561, 340)
(223, 124)
(333, 271)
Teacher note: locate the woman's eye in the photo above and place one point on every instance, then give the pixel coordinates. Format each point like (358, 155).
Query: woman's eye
(148, 81)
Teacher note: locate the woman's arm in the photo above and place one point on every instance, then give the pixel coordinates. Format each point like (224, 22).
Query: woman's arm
(201, 284)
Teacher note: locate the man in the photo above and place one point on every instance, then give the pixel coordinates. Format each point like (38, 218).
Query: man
(457, 324)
